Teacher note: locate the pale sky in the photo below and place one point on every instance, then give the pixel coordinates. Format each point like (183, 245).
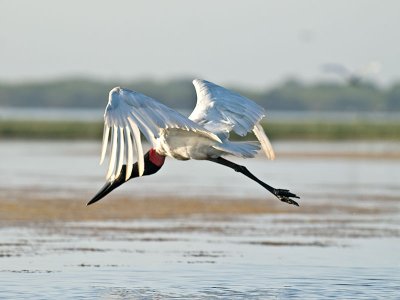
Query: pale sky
(251, 43)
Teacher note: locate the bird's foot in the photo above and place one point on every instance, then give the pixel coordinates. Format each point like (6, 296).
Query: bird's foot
(285, 195)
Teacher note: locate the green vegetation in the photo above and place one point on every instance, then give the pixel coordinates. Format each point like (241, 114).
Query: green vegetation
(179, 93)
(92, 94)
(335, 131)
(50, 130)
(276, 130)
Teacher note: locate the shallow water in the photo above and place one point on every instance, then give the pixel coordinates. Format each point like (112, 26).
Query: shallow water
(333, 254)
(71, 169)
(249, 257)
(193, 281)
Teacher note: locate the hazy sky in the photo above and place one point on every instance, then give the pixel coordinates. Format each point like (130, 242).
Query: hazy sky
(254, 43)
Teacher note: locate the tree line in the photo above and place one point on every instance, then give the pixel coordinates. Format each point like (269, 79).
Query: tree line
(179, 93)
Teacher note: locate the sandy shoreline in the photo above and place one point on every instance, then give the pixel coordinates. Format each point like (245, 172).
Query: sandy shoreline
(123, 208)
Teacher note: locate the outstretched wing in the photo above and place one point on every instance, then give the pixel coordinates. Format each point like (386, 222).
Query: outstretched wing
(129, 113)
(220, 111)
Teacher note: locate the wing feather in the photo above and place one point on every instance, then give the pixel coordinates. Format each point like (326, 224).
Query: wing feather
(138, 144)
(106, 133)
(221, 111)
(129, 153)
(146, 129)
(217, 106)
(121, 148)
(113, 151)
(264, 141)
(128, 115)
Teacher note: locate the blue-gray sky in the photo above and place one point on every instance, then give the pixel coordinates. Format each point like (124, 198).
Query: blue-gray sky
(254, 43)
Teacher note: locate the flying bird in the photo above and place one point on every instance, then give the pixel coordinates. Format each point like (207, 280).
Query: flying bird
(352, 77)
(204, 135)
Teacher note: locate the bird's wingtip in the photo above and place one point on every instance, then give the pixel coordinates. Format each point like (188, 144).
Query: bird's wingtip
(196, 81)
(116, 89)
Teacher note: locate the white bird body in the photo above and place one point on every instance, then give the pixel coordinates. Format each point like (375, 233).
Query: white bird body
(185, 145)
(204, 135)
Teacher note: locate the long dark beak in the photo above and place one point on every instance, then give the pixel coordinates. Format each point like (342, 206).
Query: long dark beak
(106, 189)
(149, 169)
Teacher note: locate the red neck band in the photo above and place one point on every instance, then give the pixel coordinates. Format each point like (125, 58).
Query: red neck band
(156, 158)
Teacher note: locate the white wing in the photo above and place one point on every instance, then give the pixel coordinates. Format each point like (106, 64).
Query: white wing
(128, 114)
(220, 111)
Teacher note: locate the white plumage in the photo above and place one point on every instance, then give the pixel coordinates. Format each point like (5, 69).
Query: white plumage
(205, 134)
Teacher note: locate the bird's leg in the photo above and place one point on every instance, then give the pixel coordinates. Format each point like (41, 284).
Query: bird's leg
(281, 194)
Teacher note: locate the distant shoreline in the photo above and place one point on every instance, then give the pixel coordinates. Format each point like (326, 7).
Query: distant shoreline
(276, 130)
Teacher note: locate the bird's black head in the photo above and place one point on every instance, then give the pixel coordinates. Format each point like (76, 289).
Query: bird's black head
(152, 163)
(109, 186)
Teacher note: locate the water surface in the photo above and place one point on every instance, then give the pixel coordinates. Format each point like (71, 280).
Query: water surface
(342, 243)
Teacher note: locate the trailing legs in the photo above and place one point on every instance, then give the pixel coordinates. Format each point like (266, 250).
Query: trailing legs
(281, 194)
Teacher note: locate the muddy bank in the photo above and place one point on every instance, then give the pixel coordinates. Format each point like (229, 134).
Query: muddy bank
(123, 208)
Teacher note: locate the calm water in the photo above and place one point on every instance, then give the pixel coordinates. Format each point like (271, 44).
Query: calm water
(334, 255)
(71, 169)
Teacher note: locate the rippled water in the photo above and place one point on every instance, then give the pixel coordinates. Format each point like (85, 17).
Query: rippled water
(335, 254)
(194, 282)
(249, 257)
